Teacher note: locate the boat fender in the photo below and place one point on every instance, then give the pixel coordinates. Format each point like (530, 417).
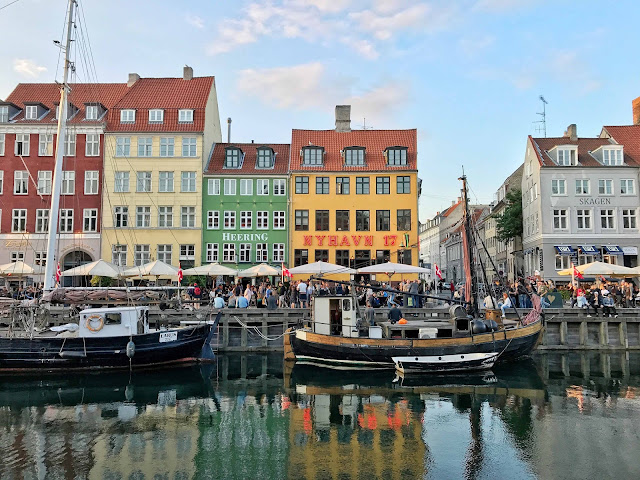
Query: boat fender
(478, 326)
(131, 349)
(403, 321)
(94, 323)
(491, 325)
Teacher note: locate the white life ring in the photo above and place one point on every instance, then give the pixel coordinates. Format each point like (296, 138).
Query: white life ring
(91, 326)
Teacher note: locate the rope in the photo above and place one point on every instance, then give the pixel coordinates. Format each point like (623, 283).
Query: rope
(257, 331)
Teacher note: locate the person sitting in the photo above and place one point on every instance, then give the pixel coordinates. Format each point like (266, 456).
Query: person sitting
(488, 302)
(242, 302)
(505, 303)
(218, 302)
(233, 300)
(394, 314)
(608, 304)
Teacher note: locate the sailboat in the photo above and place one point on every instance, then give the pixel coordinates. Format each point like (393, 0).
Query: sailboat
(104, 338)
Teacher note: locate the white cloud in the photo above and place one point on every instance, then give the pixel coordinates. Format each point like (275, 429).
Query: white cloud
(194, 20)
(323, 5)
(502, 5)
(473, 45)
(363, 47)
(377, 104)
(28, 68)
(567, 67)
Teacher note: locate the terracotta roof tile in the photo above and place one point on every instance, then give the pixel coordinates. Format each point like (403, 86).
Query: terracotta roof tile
(585, 145)
(450, 210)
(250, 150)
(629, 137)
(374, 141)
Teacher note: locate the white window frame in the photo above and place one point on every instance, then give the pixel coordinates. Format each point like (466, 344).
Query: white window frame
(246, 186)
(279, 220)
(45, 145)
(229, 252)
(586, 215)
(92, 145)
(246, 220)
(185, 115)
(187, 251)
(40, 258)
(605, 186)
(610, 219)
(189, 147)
(229, 220)
(213, 252)
(167, 146)
(279, 186)
(571, 153)
(121, 181)
(91, 112)
(20, 182)
(1, 182)
(141, 254)
(164, 252)
(68, 182)
(23, 140)
(45, 181)
(143, 216)
(31, 112)
(143, 181)
(2, 144)
(188, 217)
(188, 182)
(213, 186)
(91, 215)
(121, 212)
(70, 144)
(123, 146)
(17, 256)
(580, 186)
(278, 253)
(156, 115)
(557, 213)
(245, 252)
(91, 182)
(119, 255)
(228, 184)
(562, 262)
(262, 220)
(66, 220)
(213, 220)
(612, 156)
(165, 181)
(556, 183)
(19, 215)
(145, 146)
(127, 115)
(263, 186)
(165, 215)
(627, 186)
(262, 252)
(42, 220)
(630, 216)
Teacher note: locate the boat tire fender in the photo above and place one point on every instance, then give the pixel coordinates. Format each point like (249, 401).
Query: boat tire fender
(477, 326)
(491, 325)
(94, 323)
(131, 349)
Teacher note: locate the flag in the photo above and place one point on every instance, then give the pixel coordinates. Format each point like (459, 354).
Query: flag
(577, 274)
(438, 272)
(285, 271)
(179, 273)
(58, 273)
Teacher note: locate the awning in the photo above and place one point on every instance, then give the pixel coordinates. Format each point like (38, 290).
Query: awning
(630, 250)
(613, 250)
(588, 249)
(565, 249)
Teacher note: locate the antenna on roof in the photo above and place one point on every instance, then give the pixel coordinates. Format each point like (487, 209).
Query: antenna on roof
(364, 124)
(542, 127)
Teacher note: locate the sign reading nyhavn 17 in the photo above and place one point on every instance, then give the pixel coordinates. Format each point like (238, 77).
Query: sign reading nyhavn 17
(348, 240)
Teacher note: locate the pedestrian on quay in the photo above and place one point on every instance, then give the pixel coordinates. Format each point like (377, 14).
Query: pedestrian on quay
(370, 315)
(302, 294)
(394, 314)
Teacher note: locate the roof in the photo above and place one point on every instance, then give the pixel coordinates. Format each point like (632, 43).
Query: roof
(48, 94)
(585, 145)
(450, 210)
(374, 141)
(629, 137)
(250, 150)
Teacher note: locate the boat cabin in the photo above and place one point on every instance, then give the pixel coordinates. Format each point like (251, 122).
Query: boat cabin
(334, 315)
(114, 322)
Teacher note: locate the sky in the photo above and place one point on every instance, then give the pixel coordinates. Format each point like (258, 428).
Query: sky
(467, 74)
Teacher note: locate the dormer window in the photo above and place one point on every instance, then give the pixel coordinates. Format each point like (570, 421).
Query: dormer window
(156, 116)
(567, 157)
(4, 114)
(232, 157)
(265, 158)
(312, 156)
(396, 156)
(127, 116)
(31, 112)
(612, 156)
(185, 116)
(91, 112)
(354, 156)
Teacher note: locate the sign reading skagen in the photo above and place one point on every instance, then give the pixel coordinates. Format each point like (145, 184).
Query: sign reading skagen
(595, 201)
(245, 237)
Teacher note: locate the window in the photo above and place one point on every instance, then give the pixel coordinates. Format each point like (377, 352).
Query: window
(262, 220)
(45, 146)
(145, 146)
(263, 186)
(362, 185)
(403, 184)
(302, 220)
(121, 182)
(40, 259)
(342, 220)
(156, 116)
(17, 257)
(362, 220)
(312, 156)
(213, 186)
(629, 219)
(246, 220)
(322, 185)
(627, 186)
(143, 217)
(164, 253)
(605, 187)
(123, 146)
(584, 219)
(2, 141)
(44, 182)
(246, 186)
(582, 187)
(42, 220)
(188, 217)
(560, 219)
(229, 220)
(165, 216)
(4, 114)
(558, 187)
(119, 255)
(91, 182)
(342, 258)
(278, 252)
(563, 262)
(167, 146)
(322, 256)
(143, 181)
(187, 255)
(213, 219)
(121, 216)
(66, 220)
(265, 158)
(383, 220)
(302, 184)
(31, 112)
(262, 252)
(383, 256)
(229, 252)
(90, 220)
(397, 156)
(279, 186)
(20, 182)
(245, 252)
(141, 255)
(165, 182)
(91, 112)
(404, 257)
(300, 257)
(70, 145)
(404, 220)
(583, 259)
(22, 145)
(567, 157)
(607, 218)
(213, 252)
(229, 186)
(342, 185)
(322, 220)
(382, 185)
(279, 220)
(127, 116)
(362, 258)
(68, 183)
(188, 183)
(185, 116)
(612, 156)
(232, 157)
(354, 156)
(92, 145)
(189, 148)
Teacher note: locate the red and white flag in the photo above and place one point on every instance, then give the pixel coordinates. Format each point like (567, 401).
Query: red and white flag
(179, 273)
(58, 273)
(438, 272)
(576, 273)
(285, 271)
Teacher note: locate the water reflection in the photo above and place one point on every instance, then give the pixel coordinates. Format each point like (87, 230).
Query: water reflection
(557, 416)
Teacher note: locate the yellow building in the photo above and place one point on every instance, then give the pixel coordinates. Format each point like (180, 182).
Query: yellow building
(158, 138)
(354, 196)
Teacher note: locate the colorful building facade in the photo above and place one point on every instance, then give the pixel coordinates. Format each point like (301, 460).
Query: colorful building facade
(244, 207)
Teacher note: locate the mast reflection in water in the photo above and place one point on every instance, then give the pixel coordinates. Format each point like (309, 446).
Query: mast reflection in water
(559, 416)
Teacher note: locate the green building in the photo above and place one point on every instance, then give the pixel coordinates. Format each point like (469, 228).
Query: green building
(245, 213)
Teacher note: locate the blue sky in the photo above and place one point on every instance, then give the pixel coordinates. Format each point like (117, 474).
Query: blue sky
(466, 73)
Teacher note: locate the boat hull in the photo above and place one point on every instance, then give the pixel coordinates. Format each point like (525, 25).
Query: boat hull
(446, 363)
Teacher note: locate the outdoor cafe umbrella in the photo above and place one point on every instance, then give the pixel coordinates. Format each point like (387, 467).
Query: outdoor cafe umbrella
(262, 270)
(595, 269)
(18, 269)
(391, 268)
(99, 268)
(320, 268)
(156, 268)
(211, 270)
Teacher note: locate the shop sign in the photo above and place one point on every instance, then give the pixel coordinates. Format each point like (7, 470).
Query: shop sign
(347, 240)
(245, 237)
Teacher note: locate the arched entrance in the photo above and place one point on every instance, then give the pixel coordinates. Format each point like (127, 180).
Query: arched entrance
(72, 260)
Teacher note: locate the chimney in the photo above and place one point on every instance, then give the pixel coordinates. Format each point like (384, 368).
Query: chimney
(343, 118)
(187, 73)
(229, 130)
(133, 78)
(572, 132)
(636, 111)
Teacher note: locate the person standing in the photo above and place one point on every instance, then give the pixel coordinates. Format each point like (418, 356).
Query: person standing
(302, 294)
(413, 291)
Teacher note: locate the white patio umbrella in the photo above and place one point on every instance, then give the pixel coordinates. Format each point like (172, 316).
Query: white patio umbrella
(211, 270)
(320, 268)
(157, 268)
(99, 268)
(18, 269)
(390, 268)
(262, 270)
(601, 268)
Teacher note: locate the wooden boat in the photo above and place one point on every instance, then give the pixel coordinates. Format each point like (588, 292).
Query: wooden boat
(446, 363)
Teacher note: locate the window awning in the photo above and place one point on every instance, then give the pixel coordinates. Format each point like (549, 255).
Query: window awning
(565, 249)
(588, 249)
(613, 250)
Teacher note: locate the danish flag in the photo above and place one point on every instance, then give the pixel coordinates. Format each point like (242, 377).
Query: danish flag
(438, 272)
(179, 273)
(58, 273)
(285, 271)
(577, 274)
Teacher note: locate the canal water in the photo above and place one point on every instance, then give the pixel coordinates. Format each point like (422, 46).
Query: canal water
(558, 416)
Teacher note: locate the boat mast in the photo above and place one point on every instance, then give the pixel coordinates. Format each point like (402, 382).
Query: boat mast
(470, 293)
(52, 261)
